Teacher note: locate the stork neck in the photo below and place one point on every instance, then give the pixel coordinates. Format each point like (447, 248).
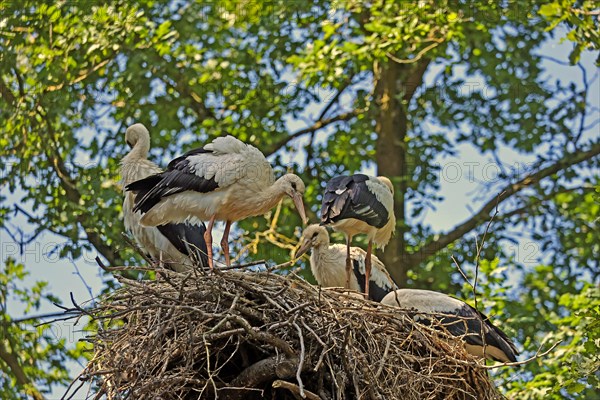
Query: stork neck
(139, 151)
(317, 252)
(268, 198)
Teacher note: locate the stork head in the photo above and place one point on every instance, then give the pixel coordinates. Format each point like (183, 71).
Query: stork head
(293, 186)
(137, 133)
(313, 236)
(386, 181)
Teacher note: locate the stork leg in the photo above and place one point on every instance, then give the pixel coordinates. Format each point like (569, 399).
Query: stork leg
(368, 268)
(208, 240)
(348, 261)
(225, 243)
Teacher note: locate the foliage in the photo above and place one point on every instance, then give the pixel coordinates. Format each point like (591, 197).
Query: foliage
(32, 356)
(581, 19)
(326, 88)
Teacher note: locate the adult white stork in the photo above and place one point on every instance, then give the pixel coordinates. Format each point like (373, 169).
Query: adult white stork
(358, 204)
(178, 246)
(481, 337)
(226, 180)
(328, 264)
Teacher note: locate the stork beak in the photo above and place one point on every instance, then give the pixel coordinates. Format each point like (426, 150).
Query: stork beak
(299, 203)
(304, 247)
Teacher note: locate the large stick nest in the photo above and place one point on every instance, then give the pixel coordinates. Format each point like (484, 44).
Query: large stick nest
(250, 335)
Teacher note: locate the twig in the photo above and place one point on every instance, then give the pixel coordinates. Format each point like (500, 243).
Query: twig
(301, 362)
(240, 266)
(527, 361)
(420, 54)
(295, 389)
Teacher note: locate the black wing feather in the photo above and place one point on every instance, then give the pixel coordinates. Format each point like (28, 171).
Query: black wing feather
(376, 293)
(349, 197)
(176, 179)
(467, 323)
(188, 239)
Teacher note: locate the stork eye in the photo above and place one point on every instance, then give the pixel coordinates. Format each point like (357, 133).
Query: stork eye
(315, 235)
(294, 185)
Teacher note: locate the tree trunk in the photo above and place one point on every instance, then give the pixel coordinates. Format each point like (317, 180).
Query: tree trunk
(395, 86)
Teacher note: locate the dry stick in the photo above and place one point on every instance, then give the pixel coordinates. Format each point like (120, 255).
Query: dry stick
(295, 389)
(527, 361)
(477, 257)
(332, 314)
(250, 264)
(137, 249)
(301, 362)
(473, 285)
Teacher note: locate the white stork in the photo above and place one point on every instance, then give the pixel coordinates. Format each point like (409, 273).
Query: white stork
(226, 180)
(481, 337)
(179, 246)
(328, 264)
(358, 204)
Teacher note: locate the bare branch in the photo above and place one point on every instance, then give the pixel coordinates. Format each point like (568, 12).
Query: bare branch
(510, 190)
(315, 127)
(420, 54)
(295, 389)
(538, 354)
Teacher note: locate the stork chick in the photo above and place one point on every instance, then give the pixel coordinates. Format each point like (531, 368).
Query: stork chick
(482, 339)
(328, 264)
(360, 204)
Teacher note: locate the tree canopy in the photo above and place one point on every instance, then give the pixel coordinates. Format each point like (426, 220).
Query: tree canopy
(324, 88)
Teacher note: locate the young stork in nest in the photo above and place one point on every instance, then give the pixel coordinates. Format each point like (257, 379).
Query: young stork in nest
(360, 204)
(178, 246)
(226, 180)
(481, 337)
(328, 264)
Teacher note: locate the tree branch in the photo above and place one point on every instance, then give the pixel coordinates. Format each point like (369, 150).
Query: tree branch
(82, 76)
(6, 93)
(74, 197)
(315, 127)
(420, 54)
(22, 379)
(415, 79)
(507, 192)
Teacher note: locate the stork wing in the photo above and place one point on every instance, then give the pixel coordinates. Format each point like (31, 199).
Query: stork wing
(180, 176)
(204, 170)
(350, 197)
(381, 283)
(471, 324)
(188, 239)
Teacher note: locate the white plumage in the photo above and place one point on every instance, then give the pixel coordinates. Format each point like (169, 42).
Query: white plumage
(328, 264)
(481, 337)
(158, 245)
(225, 180)
(360, 204)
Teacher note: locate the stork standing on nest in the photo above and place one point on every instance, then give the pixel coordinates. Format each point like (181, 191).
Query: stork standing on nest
(360, 204)
(482, 338)
(180, 246)
(226, 180)
(328, 264)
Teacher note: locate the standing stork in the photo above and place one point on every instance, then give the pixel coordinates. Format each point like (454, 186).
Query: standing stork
(226, 180)
(328, 264)
(179, 246)
(358, 204)
(482, 339)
